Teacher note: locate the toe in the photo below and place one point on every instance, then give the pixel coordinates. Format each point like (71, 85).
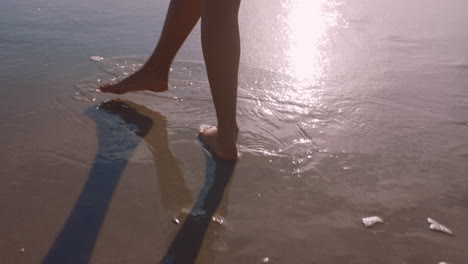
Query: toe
(109, 88)
(105, 88)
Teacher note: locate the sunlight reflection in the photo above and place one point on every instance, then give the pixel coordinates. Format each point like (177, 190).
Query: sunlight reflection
(307, 23)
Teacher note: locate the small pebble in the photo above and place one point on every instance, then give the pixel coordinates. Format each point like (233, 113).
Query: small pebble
(175, 221)
(265, 260)
(372, 220)
(22, 250)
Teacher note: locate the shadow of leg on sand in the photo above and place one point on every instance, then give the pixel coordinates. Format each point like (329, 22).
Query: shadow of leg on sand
(121, 125)
(116, 142)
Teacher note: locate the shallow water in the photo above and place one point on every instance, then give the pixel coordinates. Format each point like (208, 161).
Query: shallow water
(346, 110)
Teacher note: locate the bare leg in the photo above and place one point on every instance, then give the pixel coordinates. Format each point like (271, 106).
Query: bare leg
(221, 50)
(181, 17)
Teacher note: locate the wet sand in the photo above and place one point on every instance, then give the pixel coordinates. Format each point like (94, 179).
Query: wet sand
(346, 110)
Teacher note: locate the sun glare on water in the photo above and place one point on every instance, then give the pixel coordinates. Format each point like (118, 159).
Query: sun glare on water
(306, 25)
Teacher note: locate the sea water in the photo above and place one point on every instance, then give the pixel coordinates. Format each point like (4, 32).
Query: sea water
(346, 109)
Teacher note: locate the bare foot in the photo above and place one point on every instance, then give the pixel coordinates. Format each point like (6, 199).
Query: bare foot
(223, 149)
(148, 78)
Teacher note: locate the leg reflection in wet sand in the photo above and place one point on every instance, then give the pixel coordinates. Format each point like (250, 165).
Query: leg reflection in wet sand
(186, 245)
(117, 141)
(175, 196)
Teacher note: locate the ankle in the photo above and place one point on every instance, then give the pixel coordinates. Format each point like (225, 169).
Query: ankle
(157, 66)
(228, 135)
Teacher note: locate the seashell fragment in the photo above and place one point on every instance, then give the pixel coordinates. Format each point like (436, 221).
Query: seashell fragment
(218, 219)
(434, 225)
(96, 58)
(372, 220)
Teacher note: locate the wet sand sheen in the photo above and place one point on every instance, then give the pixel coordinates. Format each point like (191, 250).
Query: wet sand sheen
(77, 238)
(370, 121)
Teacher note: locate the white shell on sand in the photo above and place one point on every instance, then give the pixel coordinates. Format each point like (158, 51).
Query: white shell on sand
(96, 58)
(434, 225)
(372, 220)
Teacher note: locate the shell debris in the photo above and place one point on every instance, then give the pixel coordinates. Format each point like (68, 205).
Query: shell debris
(96, 58)
(436, 226)
(372, 220)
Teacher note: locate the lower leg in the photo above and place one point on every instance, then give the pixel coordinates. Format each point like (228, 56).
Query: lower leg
(182, 16)
(221, 50)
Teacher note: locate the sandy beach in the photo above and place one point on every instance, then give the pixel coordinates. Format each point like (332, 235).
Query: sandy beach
(347, 109)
